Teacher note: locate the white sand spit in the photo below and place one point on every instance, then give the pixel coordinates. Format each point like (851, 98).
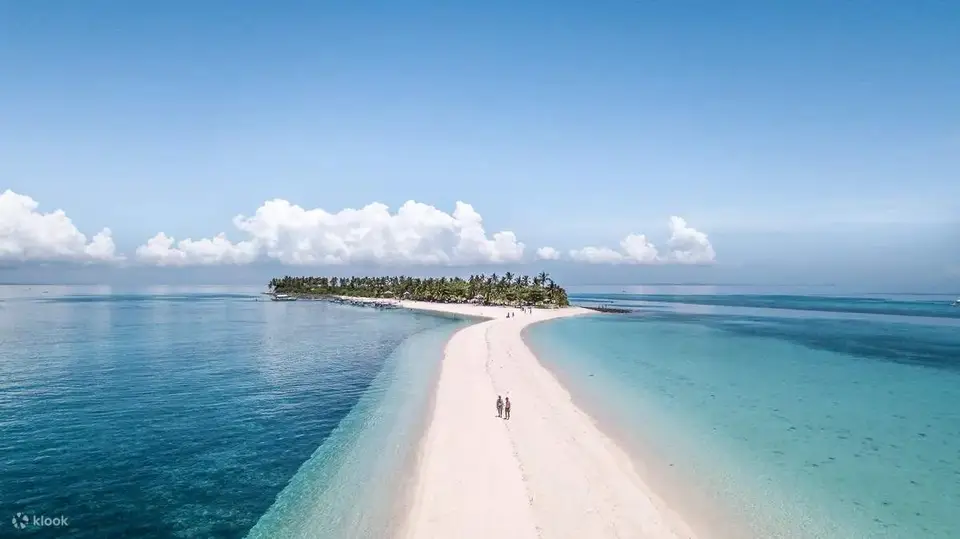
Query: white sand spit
(547, 473)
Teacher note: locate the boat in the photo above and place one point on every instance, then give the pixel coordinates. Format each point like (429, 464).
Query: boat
(282, 297)
(956, 303)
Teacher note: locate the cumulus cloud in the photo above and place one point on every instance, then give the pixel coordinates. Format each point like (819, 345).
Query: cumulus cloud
(548, 253)
(597, 255)
(416, 234)
(162, 251)
(686, 245)
(29, 235)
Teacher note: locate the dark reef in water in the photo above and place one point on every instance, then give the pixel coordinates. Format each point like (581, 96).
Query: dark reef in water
(856, 305)
(606, 309)
(932, 346)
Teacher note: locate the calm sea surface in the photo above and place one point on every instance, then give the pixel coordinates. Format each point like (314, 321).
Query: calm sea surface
(185, 413)
(778, 414)
(206, 413)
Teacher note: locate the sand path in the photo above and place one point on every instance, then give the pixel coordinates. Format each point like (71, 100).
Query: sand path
(548, 472)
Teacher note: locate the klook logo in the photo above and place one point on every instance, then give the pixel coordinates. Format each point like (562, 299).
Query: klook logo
(21, 521)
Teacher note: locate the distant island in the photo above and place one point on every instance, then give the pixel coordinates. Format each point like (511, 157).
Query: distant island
(508, 289)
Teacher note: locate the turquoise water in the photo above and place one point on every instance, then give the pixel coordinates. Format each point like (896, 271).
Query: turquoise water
(199, 413)
(354, 485)
(779, 416)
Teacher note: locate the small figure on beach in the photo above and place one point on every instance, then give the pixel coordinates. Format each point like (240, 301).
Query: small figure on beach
(499, 406)
(506, 409)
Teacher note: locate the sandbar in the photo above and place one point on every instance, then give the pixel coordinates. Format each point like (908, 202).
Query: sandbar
(548, 472)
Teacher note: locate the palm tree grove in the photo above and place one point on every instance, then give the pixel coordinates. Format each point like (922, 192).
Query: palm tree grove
(508, 289)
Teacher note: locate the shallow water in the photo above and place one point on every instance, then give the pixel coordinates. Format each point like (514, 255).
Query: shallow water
(354, 485)
(184, 413)
(796, 422)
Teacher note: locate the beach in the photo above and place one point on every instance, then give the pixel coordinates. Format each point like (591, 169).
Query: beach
(546, 472)
(822, 417)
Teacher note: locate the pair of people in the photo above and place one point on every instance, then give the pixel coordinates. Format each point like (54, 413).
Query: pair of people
(503, 407)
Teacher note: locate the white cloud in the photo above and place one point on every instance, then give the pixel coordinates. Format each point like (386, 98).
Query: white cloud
(27, 234)
(686, 245)
(597, 255)
(548, 253)
(417, 233)
(638, 248)
(160, 250)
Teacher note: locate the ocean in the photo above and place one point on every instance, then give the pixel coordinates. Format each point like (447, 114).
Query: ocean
(165, 412)
(203, 412)
(777, 414)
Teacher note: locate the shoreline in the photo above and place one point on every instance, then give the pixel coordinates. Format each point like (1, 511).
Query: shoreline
(676, 490)
(375, 443)
(548, 472)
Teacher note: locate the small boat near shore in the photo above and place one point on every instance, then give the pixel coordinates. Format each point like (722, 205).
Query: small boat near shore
(282, 297)
(956, 303)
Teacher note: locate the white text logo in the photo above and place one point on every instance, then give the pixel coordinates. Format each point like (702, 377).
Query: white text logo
(21, 521)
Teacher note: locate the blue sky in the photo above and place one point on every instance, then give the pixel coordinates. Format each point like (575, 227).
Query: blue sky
(813, 132)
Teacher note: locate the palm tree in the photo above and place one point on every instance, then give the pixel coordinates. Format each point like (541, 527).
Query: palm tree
(487, 290)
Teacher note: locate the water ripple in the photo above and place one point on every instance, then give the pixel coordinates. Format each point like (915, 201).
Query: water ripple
(174, 415)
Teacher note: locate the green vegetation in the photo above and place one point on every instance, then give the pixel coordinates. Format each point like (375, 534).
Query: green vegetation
(507, 289)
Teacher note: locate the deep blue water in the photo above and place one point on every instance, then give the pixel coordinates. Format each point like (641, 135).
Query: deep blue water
(904, 305)
(171, 412)
(781, 415)
(177, 413)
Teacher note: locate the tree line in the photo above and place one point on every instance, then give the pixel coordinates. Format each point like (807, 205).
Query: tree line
(506, 289)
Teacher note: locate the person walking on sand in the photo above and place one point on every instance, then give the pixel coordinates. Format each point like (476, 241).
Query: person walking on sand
(506, 409)
(499, 406)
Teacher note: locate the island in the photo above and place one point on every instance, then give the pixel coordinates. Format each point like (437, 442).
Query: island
(548, 471)
(502, 290)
